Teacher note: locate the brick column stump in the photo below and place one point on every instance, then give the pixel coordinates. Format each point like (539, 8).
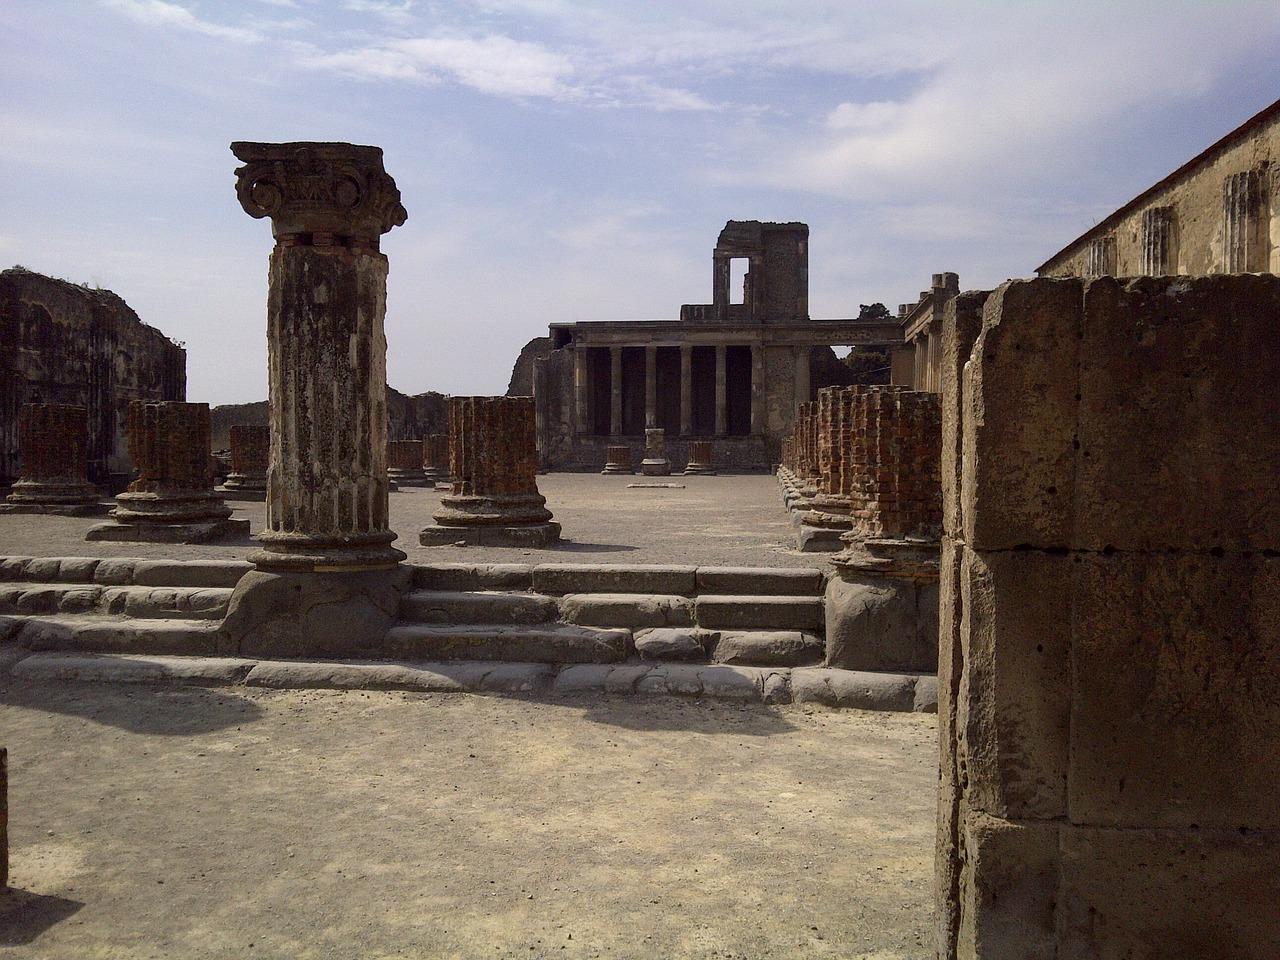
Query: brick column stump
(172, 500)
(53, 440)
(250, 454)
(435, 457)
(882, 603)
(404, 463)
(655, 462)
(699, 459)
(493, 460)
(826, 515)
(618, 460)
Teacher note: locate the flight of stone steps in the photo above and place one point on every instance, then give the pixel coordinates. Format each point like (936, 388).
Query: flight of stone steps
(741, 633)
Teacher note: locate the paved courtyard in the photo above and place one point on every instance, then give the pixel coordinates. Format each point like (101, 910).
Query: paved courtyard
(194, 823)
(729, 520)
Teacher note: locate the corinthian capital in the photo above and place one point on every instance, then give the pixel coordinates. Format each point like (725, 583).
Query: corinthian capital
(318, 188)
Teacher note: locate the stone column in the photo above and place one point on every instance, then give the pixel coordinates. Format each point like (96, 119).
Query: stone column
(802, 375)
(722, 418)
(582, 391)
(699, 459)
(757, 389)
(172, 500)
(686, 390)
(404, 463)
(250, 459)
(493, 459)
(53, 439)
(435, 457)
(327, 485)
(650, 387)
(615, 391)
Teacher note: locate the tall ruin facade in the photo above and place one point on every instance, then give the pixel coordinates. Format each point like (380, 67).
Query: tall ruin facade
(729, 372)
(68, 344)
(1217, 213)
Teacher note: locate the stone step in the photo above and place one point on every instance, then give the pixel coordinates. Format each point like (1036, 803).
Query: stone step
(766, 581)
(118, 571)
(723, 612)
(118, 635)
(141, 602)
(551, 643)
(459, 606)
(632, 610)
(768, 648)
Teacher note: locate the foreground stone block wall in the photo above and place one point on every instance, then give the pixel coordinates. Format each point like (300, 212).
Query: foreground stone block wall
(1110, 621)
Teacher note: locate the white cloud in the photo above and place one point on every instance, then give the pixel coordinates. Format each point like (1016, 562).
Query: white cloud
(159, 13)
(396, 12)
(493, 64)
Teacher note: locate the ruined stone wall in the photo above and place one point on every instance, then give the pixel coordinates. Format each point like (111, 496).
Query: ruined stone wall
(64, 343)
(408, 417)
(1193, 236)
(521, 383)
(1110, 622)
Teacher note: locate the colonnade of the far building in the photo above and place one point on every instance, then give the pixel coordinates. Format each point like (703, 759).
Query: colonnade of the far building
(690, 390)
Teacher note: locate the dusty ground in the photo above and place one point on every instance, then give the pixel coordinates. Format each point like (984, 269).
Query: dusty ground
(731, 521)
(200, 823)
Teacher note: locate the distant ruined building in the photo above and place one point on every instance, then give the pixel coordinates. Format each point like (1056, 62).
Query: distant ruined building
(65, 343)
(730, 372)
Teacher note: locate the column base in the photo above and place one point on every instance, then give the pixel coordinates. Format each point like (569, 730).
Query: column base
(819, 539)
(617, 468)
(125, 531)
(491, 535)
(305, 553)
(699, 469)
(72, 494)
(655, 468)
(170, 507)
(409, 478)
(56, 509)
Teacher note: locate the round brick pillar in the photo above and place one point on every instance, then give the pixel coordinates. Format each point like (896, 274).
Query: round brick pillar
(53, 439)
(493, 463)
(699, 458)
(404, 463)
(169, 446)
(618, 459)
(250, 454)
(435, 457)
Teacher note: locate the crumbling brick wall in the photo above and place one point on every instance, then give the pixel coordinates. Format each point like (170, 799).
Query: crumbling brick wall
(1110, 622)
(64, 343)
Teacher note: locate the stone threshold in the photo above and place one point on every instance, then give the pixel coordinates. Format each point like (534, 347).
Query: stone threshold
(846, 689)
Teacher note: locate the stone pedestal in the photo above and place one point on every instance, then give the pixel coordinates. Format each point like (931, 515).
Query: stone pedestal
(882, 606)
(327, 486)
(172, 500)
(53, 440)
(494, 460)
(699, 458)
(619, 460)
(250, 454)
(404, 464)
(435, 457)
(655, 462)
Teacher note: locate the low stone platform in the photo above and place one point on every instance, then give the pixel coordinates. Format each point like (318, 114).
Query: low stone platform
(58, 509)
(530, 535)
(916, 693)
(206, 532)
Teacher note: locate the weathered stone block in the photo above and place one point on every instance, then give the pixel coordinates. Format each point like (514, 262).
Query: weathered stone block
(1008, 889)
(626, 610)
(1178, 421)
(1176, 678)
(765, 613)
(796, 581)
(1013, 708)
(768, 648)
(473, 576)
(671, 643)
(859, 689)
(876, 624)
(1151, 894)
(961, 323)
(606, 578)
(1020, 416)
(450, 606)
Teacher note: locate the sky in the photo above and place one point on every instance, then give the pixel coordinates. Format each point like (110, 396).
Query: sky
(569, 160)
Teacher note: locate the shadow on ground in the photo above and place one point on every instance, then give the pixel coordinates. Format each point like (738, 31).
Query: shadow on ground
(699, 716)
(137, 708)
(24, 916)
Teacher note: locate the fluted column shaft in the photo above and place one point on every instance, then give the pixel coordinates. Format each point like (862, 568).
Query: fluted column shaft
(722, 405)
(686, 390)
(53, 439)
(250, 456)
(650, 387)
(615, 391)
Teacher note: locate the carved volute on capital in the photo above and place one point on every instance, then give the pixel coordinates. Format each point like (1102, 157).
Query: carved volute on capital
(326, 189)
